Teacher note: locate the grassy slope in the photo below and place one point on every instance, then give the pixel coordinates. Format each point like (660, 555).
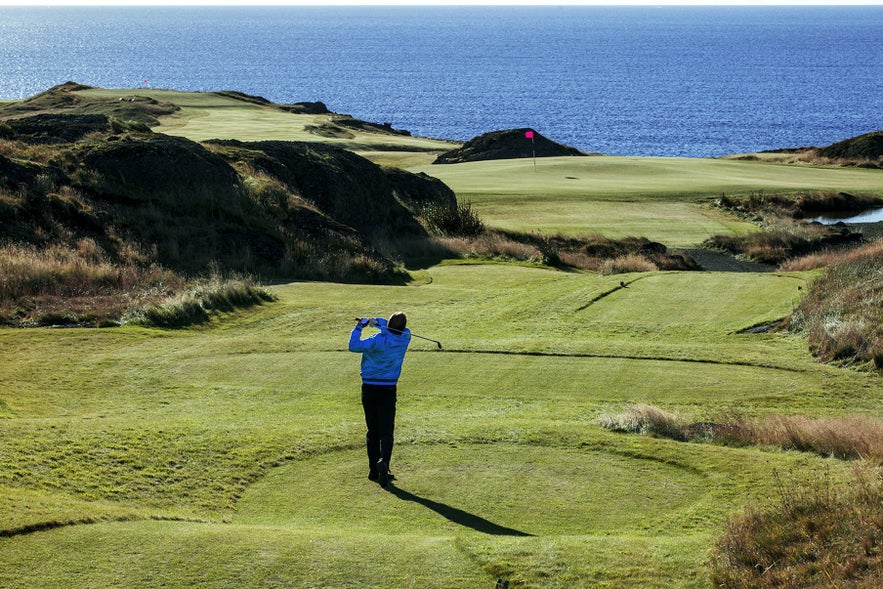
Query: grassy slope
(231, 455)
(134, 424)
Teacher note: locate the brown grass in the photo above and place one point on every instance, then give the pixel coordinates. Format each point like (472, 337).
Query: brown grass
(646, 419)
(813, 536)
(66, 285)
(849, 437)
(842, 313)
(594, 253)
(829, 258)
(628, 263)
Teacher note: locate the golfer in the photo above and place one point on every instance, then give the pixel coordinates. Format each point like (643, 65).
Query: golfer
(382, 357)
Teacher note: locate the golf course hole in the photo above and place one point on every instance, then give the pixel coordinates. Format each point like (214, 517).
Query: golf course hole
(498, 489)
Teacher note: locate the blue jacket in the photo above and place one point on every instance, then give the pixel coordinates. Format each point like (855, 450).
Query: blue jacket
(382, 354)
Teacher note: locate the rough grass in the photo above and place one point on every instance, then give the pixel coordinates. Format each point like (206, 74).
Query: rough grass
(850, 437)
(814, 534)
(59, 285)
(201, 302)
(817, 535)
(842, 313)
(594, 253)
(63, 285)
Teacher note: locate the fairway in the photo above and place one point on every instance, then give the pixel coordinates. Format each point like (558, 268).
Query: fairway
(208, 115)
(231, 455)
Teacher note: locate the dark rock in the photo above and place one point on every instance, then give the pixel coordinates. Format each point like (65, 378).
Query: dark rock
(509, 144)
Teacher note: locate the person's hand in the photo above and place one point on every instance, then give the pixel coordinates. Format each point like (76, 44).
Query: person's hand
(363, 322)
(373, 322)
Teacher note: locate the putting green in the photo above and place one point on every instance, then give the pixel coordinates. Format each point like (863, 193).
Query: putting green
(621, 178)
(663, 199)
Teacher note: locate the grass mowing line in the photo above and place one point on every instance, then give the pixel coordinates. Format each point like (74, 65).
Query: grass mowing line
(620, 357)
(54, 525)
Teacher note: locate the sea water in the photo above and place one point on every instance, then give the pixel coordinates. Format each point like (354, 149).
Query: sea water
(650, 81)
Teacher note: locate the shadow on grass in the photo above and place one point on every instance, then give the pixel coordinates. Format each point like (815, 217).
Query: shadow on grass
(458, 516)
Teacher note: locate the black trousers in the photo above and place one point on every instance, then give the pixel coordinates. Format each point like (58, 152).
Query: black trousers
(379, 403)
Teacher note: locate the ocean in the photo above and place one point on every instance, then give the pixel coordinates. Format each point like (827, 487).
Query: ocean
(644, 81)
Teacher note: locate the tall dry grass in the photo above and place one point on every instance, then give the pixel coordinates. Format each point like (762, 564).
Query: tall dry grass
(74, 285)
(851, 437)
(648, 420)
(82, 270)
(204, 299)
(842, 313)
(628, 263)
(814, 535)
(831, 257)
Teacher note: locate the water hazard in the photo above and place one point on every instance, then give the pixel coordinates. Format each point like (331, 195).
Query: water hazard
(872, 216)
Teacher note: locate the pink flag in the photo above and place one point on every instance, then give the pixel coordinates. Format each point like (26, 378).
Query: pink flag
(528, 134)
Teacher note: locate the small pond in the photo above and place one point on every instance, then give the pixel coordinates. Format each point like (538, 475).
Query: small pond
(872, 216)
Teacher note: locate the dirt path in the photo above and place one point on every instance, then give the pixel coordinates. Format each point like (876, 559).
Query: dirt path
(717, 262)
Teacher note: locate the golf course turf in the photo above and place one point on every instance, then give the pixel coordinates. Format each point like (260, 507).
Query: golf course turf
(231, 454)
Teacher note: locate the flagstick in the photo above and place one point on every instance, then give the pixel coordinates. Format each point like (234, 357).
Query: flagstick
(529, 134)
(534, 149)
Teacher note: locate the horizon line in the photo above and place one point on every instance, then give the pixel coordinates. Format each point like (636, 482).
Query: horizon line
(439, 3)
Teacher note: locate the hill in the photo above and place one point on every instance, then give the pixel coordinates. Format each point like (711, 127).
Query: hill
(249, 206)
(867, 147)
(865, 151)
(83, 190)
(504, 145)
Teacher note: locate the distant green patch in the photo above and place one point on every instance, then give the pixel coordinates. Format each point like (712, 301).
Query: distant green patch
(663, 199)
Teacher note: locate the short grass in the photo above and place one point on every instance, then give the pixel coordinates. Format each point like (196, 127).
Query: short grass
(208, 115)
(231, 454)
(664, 199)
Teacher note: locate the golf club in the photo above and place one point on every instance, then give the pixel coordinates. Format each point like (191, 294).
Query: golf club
(435, 341)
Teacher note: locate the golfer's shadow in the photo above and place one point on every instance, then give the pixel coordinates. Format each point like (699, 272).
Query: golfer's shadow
(458, 516)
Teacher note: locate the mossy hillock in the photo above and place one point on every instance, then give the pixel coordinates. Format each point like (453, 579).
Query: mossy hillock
(868, 147)
(507, 144)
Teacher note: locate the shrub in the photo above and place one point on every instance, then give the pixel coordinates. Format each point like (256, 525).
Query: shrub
(452, 220)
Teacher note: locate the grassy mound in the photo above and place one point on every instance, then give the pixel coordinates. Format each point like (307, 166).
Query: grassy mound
(864, 148)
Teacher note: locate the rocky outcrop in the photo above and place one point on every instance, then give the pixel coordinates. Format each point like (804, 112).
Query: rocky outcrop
(511, 144)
